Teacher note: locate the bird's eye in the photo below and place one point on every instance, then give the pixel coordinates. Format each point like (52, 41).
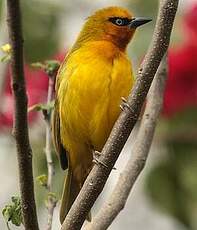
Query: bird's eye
(119, 21)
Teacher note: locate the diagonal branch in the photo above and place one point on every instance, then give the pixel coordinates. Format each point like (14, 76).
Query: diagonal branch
(98, 176)
(139, 154)
(24, 151)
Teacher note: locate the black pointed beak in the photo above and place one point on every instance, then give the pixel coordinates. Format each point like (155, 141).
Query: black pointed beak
(136, 22)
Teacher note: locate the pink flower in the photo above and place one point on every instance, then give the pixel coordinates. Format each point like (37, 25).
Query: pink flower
(37, 86)
(181, 88)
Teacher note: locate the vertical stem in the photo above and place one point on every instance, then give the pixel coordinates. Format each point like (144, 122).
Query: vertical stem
(50, 165)
(20, 129)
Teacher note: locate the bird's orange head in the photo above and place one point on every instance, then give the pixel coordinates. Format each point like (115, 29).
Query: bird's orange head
(114, 24)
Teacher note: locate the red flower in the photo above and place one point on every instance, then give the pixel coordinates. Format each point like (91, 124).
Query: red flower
(37, 86)
(181, 88)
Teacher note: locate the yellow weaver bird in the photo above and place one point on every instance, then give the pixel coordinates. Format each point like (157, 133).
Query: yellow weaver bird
(94, 76)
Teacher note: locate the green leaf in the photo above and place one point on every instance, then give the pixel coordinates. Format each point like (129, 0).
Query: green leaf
(17, 217)
(42, 107)
(51, 199)
(42, 180)
(7, 212)
(52, 195)
(38, 65)
(13, 212)
(6, 58)
(50, 67)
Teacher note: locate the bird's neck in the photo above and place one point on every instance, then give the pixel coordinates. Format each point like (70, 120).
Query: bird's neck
(105, 47)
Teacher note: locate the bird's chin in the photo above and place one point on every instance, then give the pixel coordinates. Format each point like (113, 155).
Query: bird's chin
(121, 39)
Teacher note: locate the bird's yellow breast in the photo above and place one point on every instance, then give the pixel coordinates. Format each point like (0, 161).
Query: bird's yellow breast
(91, 83)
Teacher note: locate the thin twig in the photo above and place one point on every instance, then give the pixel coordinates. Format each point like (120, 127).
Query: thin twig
(98, 176)
(50, 164)
(51, 203)
(139, 154)
(20, 129)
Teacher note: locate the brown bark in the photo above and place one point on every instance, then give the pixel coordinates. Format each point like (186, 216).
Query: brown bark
(20, 129)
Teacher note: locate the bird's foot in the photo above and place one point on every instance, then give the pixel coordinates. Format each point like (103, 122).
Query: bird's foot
(96, 153)
(124, 104)
(96, 156)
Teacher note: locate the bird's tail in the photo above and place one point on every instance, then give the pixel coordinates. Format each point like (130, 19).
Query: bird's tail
(70, 192)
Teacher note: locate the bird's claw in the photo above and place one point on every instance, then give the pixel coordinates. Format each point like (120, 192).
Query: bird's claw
(124, 104)
(96, 154)
(96, 160)
(140, 70)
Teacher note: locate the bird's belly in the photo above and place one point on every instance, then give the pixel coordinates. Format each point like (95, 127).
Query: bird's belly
(107, 111)
(92, 102)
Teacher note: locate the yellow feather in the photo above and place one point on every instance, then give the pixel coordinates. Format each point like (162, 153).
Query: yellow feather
(90, 92)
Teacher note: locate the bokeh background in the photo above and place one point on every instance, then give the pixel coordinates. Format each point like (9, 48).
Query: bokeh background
(165, 195)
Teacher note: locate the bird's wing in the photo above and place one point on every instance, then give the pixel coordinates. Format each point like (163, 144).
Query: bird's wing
(60, 150)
